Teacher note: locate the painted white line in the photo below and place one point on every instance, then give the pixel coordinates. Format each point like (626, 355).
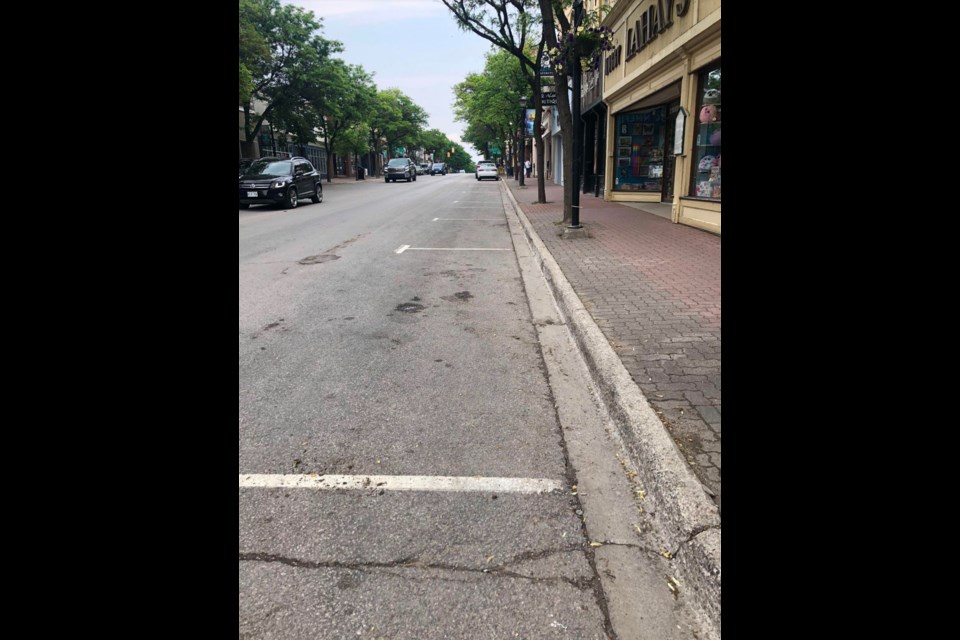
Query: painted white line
(400, 483)
(471, 219)
(402, 248)
(453, 249)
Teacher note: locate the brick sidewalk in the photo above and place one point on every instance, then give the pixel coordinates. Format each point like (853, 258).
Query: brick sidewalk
(653, 288)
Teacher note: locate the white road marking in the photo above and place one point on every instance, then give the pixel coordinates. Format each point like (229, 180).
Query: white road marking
(402, 248)
(400, 483)
(469, 219)
(452, 249)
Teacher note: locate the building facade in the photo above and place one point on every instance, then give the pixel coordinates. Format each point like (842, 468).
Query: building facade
(661, 86)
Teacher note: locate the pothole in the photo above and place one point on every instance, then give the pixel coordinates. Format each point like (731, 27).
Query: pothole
(410, 307)
(319, 258)
(461, 296)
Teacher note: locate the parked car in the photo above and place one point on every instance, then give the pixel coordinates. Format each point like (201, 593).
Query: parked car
(280, 181)
(438, 167)
(486, 170)
(423, 168)
(400, 168)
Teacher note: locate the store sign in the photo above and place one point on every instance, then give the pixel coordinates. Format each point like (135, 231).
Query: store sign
(679, 126)
(654, 21)
(613, 60)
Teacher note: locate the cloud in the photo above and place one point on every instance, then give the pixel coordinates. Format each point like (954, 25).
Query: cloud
(374, 11)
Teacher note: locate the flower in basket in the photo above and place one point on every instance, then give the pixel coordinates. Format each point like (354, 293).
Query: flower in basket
(587, 43)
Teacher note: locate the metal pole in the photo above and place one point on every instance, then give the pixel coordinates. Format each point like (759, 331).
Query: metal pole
(575, 200)
(523, 136)
(523, 133)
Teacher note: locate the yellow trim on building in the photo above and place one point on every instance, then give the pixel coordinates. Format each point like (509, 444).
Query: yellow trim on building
(678, 53)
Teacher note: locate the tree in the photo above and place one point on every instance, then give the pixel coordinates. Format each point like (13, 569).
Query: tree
(279, 57)
(563, 46)
(353, 141)
(435, 142)
(396, 119)
(553, 14)
(488, 101)
(342, 100)
(508, 24)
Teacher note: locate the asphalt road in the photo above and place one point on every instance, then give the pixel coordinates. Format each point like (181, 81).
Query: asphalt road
(386, 333)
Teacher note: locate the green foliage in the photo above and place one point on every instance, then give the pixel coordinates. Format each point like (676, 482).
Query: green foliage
(281, 59)
(397, 119)
(343, 99)
(489, 101)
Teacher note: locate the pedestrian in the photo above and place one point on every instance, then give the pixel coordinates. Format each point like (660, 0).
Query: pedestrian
(527, 166)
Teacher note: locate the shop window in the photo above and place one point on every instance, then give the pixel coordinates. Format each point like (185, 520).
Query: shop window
(639, 150)
(706, 149)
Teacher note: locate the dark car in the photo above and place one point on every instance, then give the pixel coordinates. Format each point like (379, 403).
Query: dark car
(244, 163)
(438, 167)
(281, 181)
(400, 168)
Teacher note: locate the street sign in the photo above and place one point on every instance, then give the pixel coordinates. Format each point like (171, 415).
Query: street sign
(548, 98)
(545, 68)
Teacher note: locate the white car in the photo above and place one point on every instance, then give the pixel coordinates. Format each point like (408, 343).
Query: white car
(487, 170)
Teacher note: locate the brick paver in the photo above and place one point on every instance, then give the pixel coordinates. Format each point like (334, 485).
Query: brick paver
(653, 288)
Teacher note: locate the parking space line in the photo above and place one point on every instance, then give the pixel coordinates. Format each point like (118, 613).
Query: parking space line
(471, 219)
(407, 247)
(399, 483)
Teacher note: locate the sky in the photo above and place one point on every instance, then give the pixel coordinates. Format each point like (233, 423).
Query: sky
(413, 45)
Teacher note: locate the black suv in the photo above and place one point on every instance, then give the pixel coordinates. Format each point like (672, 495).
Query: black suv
(400, 168)
(282, 181)
(439, 168)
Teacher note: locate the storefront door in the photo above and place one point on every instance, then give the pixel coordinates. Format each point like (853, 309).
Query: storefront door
(670, 160)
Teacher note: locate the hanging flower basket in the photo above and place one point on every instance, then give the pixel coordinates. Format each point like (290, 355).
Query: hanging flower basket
(588, 44)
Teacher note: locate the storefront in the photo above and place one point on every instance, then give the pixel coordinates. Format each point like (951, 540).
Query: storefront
(662, 91)
(594, 118)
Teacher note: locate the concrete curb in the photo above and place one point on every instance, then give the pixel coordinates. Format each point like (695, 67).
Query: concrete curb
(687, 520)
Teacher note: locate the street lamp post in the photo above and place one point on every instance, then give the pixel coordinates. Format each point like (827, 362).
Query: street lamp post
(511, 153)
(575, 200)
(523, 135)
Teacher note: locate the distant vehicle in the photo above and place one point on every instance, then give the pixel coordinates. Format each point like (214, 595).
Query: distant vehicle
(438, 167)
(280, 181)
(422, 168)
(400, 168)
(486, 170)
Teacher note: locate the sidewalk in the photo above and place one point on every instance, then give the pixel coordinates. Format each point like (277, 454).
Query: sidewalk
(653, 289)
(347, 180)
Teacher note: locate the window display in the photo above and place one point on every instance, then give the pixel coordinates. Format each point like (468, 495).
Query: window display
(706, 157)
(639, 149)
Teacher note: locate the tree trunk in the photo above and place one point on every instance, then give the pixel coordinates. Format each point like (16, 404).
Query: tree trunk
(537, 130)
(326, 145)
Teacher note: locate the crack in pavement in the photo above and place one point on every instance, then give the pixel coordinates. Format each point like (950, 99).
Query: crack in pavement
(693, 534)
(631, 545)
(499, 570)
